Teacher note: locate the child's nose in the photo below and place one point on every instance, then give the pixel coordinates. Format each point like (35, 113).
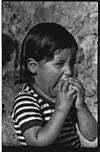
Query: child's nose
(68, 71)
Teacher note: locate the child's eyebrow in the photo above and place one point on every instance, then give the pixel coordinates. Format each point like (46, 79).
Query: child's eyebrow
(64, 60)
(61, 60)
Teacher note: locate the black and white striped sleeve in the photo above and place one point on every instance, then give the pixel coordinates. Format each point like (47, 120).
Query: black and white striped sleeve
(26, 112)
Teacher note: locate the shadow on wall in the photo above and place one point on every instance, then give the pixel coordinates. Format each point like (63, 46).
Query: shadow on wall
(9, 56)
(9, 47)
(10, 52)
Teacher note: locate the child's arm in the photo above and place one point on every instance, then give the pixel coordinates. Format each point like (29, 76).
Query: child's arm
(87, 123)
(44, 136)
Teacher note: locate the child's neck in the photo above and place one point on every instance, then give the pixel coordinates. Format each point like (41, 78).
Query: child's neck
(39, 90)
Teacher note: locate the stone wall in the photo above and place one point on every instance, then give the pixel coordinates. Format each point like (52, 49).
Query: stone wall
(81, 19)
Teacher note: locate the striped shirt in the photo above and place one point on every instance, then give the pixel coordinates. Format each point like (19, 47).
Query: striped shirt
(32, 109)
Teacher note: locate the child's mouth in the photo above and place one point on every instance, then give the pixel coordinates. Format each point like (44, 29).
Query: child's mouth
(62, 78)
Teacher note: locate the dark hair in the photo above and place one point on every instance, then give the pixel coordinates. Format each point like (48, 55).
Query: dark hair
(41, 43)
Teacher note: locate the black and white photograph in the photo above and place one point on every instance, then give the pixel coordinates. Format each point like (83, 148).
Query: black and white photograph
(49, 74)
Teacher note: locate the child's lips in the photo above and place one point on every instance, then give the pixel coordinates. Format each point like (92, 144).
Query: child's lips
(65, 78)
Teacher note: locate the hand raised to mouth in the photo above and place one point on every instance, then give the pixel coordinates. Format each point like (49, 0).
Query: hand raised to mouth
(70, 85)
(65, 95)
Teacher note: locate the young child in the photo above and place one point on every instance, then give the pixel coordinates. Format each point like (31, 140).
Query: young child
(52, 100)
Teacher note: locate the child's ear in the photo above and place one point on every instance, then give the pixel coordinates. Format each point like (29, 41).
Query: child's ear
(32, 65)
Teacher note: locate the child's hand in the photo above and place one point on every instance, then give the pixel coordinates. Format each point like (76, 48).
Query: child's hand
(78, 86)
(65, 97)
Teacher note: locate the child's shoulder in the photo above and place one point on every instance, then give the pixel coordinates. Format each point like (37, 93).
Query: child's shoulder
(26, 93)
(24, 99)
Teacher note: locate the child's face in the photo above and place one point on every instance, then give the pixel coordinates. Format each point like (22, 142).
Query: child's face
(49, 73)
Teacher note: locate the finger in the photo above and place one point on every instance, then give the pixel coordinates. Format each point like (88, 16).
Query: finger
(60, 84)
(70, 86)
(78, 90)
(72, 91)
(74, 95)
(65, 85)
(78, 84)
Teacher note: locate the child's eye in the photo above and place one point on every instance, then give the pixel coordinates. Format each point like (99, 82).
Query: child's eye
(60, 64)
